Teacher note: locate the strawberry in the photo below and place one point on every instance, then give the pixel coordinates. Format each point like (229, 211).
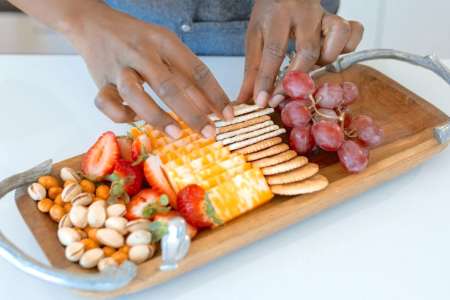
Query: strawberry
(140, 149)
(164, 218)
(157, 179)
(100, 159)
(146, 204)
(125, 178)
(193, 204)
(125, 144)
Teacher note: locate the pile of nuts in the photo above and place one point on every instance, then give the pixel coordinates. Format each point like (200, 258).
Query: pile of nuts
(95, 233)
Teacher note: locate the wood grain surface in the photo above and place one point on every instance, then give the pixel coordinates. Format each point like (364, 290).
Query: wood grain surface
(407, 121)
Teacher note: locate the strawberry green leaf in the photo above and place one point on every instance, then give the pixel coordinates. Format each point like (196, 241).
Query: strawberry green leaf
(158, 230)
(164, 200)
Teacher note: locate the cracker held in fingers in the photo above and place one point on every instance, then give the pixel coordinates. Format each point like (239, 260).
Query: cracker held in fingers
(239, 110)
(243, 118)
(231, 134)
(274, 150)
(287, 166)
(250, 135)
(260, 146)
(311, 185)
(274, 160)
(257, 139)
(242, 124)
(296, 175)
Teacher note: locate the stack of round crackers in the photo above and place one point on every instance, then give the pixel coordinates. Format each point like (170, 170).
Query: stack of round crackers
(253, 133)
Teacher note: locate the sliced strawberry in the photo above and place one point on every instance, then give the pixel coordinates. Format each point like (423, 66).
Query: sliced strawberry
(99, 161)
(125, 144)
(193, 204)
(140, 149)
(125, 178)
(146, 204)
(165, 218)
(157, 179)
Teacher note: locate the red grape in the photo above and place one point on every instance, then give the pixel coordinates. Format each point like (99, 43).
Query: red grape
(327, 112)
(368, 132)
(327, 135)
(284, 103)
(298, 85)
(304, 102)
(353, 156)
(329, 95)
(347, 117)
(351, 92)
(301, 139)
(295, 114)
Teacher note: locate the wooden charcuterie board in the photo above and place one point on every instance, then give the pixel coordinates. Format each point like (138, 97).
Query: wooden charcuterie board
(408, 123)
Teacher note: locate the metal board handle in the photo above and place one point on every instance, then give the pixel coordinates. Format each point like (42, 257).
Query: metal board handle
(111, 279)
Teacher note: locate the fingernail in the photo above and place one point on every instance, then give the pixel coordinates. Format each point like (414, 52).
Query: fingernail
(173, 131)
(261, 99)
(277, 99)
(228, 112)
(209, 132)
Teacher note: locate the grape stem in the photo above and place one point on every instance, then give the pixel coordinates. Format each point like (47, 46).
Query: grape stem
(316, 111)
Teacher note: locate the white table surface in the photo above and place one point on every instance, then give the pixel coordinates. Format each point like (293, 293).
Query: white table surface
(393, 242)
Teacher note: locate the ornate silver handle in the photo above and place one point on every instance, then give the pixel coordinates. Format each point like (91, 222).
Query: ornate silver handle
(430, 62)
(110, 279)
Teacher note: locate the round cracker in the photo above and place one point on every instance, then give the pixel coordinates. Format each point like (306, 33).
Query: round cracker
(242, 124)
(260, 146)
(274, 150)
(311, 185)
(255, 140)
(274, 160)
(289, 165)
(295, 175)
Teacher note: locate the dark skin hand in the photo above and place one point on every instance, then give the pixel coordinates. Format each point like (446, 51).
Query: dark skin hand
(319, 39)
(122, 53)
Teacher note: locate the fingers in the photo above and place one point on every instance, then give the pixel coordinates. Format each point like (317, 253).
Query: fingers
(357, 32)
(274, 50)
(337, 32)
(131, 90)
(191, 67)
(253, 54)
(110, 103)
(180, 94)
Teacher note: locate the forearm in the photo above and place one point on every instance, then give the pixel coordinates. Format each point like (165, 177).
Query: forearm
(61, 15)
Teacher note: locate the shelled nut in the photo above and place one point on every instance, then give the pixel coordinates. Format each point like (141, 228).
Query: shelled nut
(139, 224)
(117, 223)
(106, 262)
(65, 222)
(70, 192)
(83, 199)
(96, 214)
(37, 191)
(67, 236)
(116, 210)
(67, 173)
(91, 258)
(139, 237)
(79, 216)
(110, 237)
(139, 253)
(74, 251)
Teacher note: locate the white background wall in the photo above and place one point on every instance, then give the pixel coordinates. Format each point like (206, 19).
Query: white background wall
(420, 26)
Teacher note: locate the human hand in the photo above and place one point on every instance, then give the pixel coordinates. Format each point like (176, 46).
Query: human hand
(123, 53)
(319, 39)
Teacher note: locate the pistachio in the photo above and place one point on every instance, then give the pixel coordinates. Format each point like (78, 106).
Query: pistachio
(116, 210)
(96, 214)
(70, 192)
(65, 222)
(79, 216)
(139, 253)
(82, 199)
(139, 224)
(91, 258)
(68, 236)
(106, 262)
(119, 224)
(109, 237)
(74, 251)
(139, 237)
(37, 191)
(67, 173)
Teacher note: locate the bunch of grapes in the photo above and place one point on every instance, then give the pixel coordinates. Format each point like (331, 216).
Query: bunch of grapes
(321, 118)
